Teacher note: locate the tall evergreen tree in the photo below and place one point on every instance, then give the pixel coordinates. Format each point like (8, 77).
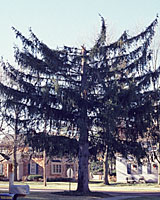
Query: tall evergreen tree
(77, 86)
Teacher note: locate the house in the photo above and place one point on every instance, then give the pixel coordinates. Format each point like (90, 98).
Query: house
(128, 170)
(55, 168)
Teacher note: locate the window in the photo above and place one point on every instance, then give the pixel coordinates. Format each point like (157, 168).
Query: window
(33, 168)
(128, 168)
(1, 168)
(154, 168)
(56, 168)
(149, 171)
(140, 169)
(134, 168)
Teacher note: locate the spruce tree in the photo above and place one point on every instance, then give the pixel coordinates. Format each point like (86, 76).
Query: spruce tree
(77, 86)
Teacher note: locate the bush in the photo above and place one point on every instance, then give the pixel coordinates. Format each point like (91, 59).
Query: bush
(34, 177)
(59, 179)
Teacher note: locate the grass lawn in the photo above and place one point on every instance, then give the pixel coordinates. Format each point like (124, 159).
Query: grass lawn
(63, 196)
(94, 186)
(145, 198)
(52, 196)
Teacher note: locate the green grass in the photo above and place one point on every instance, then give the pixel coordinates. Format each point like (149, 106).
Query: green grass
(63, 196)
(94, 186)
(150, 187)
(51, 196)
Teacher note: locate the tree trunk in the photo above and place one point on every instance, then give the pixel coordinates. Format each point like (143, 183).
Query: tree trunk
(158, 163)
(44, 157)
(44, 169)
(83, 157)
(15, 161)
(106, 167)
(83, 140)
(158, 173)
(15, 147)
(83, 169)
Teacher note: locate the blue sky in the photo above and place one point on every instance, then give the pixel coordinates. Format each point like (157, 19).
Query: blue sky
(70, 22)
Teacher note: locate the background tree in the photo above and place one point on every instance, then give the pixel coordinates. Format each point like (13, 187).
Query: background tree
(127, 110)
(13, 121)
(153, 134)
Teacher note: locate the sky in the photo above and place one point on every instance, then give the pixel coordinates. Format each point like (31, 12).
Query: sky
(71, 22)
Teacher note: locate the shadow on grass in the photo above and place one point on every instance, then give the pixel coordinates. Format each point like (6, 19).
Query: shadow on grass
(114, 184)
(66, 195)
(89, 194)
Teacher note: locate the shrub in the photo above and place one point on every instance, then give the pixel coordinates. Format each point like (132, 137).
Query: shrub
(34, 177)
(60, 179)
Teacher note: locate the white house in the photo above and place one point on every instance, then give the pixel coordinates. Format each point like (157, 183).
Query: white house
(127, 170)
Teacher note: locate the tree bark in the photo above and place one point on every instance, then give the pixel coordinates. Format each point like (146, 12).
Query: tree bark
(83, 169)
(44, 169)
(15, 160)
(158, 163)
(106, 167)
(44, 157)
(83, 140)
(15, 147)
(158, 173)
